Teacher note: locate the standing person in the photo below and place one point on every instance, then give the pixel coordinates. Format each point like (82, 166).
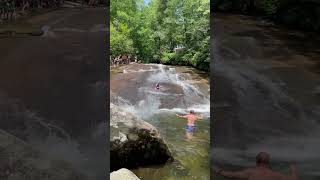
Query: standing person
(262, 171)
(192, 118)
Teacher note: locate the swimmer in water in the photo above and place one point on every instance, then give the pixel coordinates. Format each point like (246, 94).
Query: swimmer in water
(157, 86)
(192, 118)
(262, 171)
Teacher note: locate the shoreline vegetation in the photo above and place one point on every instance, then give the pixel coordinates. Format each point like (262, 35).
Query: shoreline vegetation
(169, 32)
(14, 14)
(12, 11)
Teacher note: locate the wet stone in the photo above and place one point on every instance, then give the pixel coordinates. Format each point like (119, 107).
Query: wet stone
(141, 136)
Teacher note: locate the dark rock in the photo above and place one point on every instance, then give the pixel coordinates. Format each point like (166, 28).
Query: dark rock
(36, 33)
(134, 142)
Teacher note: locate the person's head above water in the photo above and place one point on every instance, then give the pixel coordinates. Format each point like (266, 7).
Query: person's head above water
(191, 111)
(263, 159)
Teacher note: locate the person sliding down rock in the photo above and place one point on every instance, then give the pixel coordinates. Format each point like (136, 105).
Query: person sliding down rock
(157, 86)
(262, 171)
(192, 118)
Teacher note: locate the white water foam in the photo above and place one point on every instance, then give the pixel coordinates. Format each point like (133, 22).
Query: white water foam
(143, 109)
(169, 75)
(139, 71)
(151, 103)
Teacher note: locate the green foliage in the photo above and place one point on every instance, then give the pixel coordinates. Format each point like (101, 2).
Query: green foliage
(186, 25)
(174, 59)
(120, 43)
(168, 58)
(271, 6)
(201, 59)
(153, 31)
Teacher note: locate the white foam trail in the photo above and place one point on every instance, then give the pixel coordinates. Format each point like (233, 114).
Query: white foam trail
(138, 71)
(143, 109)
(201, 108)
(148, 107)
(169, 75)
(157, 92)
(192, 97)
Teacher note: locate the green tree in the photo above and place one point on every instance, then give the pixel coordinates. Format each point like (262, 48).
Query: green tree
(153, 31)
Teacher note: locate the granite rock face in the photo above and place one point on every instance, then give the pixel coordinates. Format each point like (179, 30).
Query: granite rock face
(134, 142)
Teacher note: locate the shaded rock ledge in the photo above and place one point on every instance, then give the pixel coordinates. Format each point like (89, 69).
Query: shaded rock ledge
(134, 142)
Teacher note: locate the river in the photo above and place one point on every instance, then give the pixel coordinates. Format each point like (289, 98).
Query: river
(266, 95)
(181, 89)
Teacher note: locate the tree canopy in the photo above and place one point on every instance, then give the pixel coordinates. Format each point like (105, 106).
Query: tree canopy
(163, 31)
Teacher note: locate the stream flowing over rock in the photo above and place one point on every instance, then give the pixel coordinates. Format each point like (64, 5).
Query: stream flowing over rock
(18, 160)
(58, 114)
(266, 79)
(134, 142)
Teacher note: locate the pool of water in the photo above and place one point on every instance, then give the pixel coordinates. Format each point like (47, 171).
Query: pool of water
(191, 152)
(181, 89)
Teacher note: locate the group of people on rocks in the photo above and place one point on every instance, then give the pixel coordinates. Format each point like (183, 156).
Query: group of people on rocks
(122, 59)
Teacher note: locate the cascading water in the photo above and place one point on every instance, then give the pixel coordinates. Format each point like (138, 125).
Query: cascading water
(179, 92)
(191, 97)
(271, 103)
(281, 125)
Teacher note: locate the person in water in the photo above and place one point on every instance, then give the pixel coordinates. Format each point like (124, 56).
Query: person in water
(192, 118)
(157, 86)
(262, 171)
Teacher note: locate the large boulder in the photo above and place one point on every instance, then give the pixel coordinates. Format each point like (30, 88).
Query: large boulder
(123, 174)
(134, 142)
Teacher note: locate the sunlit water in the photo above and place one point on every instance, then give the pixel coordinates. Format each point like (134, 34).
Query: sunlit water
(158, 107)
(190, 152)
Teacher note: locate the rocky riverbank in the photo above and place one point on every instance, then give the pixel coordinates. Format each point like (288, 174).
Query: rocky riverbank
(134, 142)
